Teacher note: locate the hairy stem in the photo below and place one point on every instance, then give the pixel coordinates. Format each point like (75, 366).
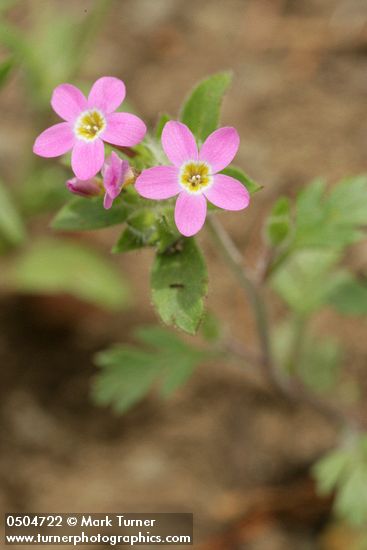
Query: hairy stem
(233, 259)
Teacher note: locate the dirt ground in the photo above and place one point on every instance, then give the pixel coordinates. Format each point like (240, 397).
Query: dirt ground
(227, 451)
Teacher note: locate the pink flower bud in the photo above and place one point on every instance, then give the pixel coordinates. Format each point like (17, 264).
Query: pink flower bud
(84, 188)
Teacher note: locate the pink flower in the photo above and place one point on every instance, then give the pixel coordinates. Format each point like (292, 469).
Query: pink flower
(194, 175)
(88, 123)
(116, 174)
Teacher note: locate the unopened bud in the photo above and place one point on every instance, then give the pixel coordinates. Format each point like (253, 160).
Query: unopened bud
(85, 188)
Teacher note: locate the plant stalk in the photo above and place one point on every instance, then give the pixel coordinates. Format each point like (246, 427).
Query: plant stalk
(294, 391)
(233, 259)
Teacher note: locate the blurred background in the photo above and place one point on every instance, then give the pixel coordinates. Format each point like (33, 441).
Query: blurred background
(220, 448)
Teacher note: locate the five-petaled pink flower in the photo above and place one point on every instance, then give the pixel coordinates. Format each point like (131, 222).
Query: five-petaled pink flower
(116, 173)
(89, 122)
(194, 175)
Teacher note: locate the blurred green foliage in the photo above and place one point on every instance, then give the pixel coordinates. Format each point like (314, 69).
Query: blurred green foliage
(54, 48)
(344, 470)
(48, 51)
(279, 224)
(12, 229)
(53, 266)
(128, 373)
(318, 358)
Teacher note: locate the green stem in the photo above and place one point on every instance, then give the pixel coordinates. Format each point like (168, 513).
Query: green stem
(296, 391)
(233, 259)
(299, 327)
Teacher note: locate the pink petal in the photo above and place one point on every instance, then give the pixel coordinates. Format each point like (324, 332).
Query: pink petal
(220, 148)
(107, 94)
(87, 158)
(159, 182)
(54, 141)
(190, 213)
(124, 129)
(178, 143)
(68, 101)
(113, 172)
(227, 193)
(107, 201)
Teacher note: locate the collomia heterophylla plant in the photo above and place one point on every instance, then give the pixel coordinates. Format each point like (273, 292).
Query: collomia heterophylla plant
(166, 186)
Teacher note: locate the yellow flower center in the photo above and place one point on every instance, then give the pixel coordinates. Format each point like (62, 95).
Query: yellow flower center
(195, 176)
(89, 125)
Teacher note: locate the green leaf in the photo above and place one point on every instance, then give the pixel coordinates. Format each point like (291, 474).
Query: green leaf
(331, 219)
(318, 360)
(347, 202)
(83, 214)
(351, 501)
(350, 296)
(330, 469)
(163, 119)
(319, 366)
(5, 69)
(12, 229)
(237, 173)
(129, 373)
(201, 110)
(304, 281)
(278, 224)
(53, 266)
(345, 471)
(179, 285)
(168, 234)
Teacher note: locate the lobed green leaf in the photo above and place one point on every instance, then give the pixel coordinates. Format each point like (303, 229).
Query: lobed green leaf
(278, 225)
(129, 373)
(318, 360)
(304, 280)
(350, 296)
(331, 219)
(345, 471)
